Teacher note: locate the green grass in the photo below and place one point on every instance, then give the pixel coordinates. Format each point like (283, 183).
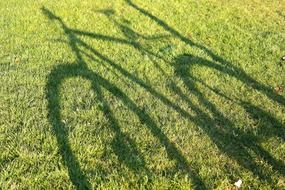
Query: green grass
(142, 94)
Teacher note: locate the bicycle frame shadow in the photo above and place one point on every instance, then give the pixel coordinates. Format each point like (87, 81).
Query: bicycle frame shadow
(230, 140)
(231, 69)
(182, 65)
(80, 69)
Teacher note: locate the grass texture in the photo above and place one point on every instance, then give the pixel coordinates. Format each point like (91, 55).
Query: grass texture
(142, 94)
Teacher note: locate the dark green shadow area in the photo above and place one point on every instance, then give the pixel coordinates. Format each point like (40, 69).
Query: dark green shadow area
(123, 146)
(228, 139)
(232, 141)
(236, 72)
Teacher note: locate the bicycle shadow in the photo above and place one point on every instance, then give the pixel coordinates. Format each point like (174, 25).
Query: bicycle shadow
(231, 69)
(80, 68)
(240, 141)
(228, 139)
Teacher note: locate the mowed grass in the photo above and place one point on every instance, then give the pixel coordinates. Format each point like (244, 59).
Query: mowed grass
(142, 94)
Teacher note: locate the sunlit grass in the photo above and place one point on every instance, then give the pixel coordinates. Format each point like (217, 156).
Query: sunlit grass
(142, 94)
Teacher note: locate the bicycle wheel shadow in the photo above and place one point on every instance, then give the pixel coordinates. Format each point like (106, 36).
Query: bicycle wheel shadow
(122, 144)
(124, 147)
(234, 142)
(240, 141)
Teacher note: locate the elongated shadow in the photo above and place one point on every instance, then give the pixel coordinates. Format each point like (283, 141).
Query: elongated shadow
(221, 137)
(123, 146)
(239, 74)
(230, 140)
(79, 68)
(55, 79)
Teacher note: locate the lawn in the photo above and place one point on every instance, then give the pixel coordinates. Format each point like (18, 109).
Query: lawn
(142, 94)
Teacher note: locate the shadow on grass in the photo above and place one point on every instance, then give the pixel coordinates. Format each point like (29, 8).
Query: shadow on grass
(232, 141)
(241, 143)
(236, 72)
(123, 146)
(220, 129)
